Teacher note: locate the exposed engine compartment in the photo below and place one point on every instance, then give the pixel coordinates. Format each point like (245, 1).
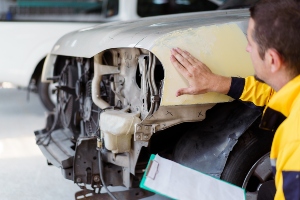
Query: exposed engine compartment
(110, 104)
(118, 84)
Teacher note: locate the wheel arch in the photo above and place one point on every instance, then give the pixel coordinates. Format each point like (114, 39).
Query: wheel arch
(35, 61)
(38, 70)
(206, 146)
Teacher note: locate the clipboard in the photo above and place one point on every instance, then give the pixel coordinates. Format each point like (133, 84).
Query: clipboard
(175, 181)
(151, 171)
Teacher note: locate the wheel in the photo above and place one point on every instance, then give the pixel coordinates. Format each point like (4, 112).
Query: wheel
(47, 94)
(248, 164)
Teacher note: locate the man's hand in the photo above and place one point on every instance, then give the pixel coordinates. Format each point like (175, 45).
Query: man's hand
(199, 76)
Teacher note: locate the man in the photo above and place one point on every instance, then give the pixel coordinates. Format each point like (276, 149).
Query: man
(274, 46)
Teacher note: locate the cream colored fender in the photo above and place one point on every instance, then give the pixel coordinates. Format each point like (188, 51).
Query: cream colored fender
(217, 38)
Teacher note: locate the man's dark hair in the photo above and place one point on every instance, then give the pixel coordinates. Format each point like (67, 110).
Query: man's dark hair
(277, 26)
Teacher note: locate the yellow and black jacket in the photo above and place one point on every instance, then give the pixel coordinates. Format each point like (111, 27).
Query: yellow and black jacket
(282, 115)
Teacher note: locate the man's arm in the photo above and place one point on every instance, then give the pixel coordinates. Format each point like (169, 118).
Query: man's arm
(253, 91)
(202, 80)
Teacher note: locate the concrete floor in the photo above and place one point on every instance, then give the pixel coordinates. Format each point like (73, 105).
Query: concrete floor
(24, 173)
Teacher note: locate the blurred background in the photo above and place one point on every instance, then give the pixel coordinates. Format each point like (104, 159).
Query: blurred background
(61, 10)
(24, 173)
(48, 10)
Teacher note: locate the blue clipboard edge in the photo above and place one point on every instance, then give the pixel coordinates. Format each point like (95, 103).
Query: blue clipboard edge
(152, 157)
(142, 183)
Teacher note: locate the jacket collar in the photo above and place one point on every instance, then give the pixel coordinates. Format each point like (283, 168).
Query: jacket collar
(280, 105)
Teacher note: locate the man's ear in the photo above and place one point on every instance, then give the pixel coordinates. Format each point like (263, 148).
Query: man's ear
(274, 60)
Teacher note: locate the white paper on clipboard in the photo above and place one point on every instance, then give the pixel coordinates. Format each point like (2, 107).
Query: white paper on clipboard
(179, 182)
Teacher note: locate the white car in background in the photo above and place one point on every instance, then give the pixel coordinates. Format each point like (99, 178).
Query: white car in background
(24, 45)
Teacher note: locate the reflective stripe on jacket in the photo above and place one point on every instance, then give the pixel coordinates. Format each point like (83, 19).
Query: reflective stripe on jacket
(282, 114)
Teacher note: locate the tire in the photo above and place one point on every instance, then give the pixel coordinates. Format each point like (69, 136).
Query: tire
(44, 94)
(250, 153)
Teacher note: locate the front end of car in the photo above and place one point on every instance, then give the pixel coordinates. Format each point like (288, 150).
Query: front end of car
(116, 87)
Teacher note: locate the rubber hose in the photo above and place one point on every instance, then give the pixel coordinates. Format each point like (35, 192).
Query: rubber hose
(101, 175)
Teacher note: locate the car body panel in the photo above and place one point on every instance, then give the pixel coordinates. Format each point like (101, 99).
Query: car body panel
(140, 33)
(207, 35)
(209, 44)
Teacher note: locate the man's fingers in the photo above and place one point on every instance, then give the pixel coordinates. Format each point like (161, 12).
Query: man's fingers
(179, 67)
(197, 62)
(183, 91)
(194, 61)
(183, 58)
(197, 74)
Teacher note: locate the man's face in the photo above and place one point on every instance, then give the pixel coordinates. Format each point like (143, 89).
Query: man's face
(252, 48)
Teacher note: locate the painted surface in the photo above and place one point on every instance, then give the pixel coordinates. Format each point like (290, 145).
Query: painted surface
(220, 47)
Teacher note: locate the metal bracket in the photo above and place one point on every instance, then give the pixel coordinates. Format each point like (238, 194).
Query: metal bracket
(152, 169)
(143, 132)
(155, 98)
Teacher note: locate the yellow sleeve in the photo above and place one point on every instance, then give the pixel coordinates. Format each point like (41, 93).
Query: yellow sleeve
(250, 90)
(256, 92)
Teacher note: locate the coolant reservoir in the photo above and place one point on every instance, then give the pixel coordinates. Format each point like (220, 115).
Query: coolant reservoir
(118, 128)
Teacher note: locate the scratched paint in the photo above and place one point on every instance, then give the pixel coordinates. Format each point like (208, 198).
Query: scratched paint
(220, 47)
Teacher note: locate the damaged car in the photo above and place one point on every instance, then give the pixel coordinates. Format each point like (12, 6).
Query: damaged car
(117, 104)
